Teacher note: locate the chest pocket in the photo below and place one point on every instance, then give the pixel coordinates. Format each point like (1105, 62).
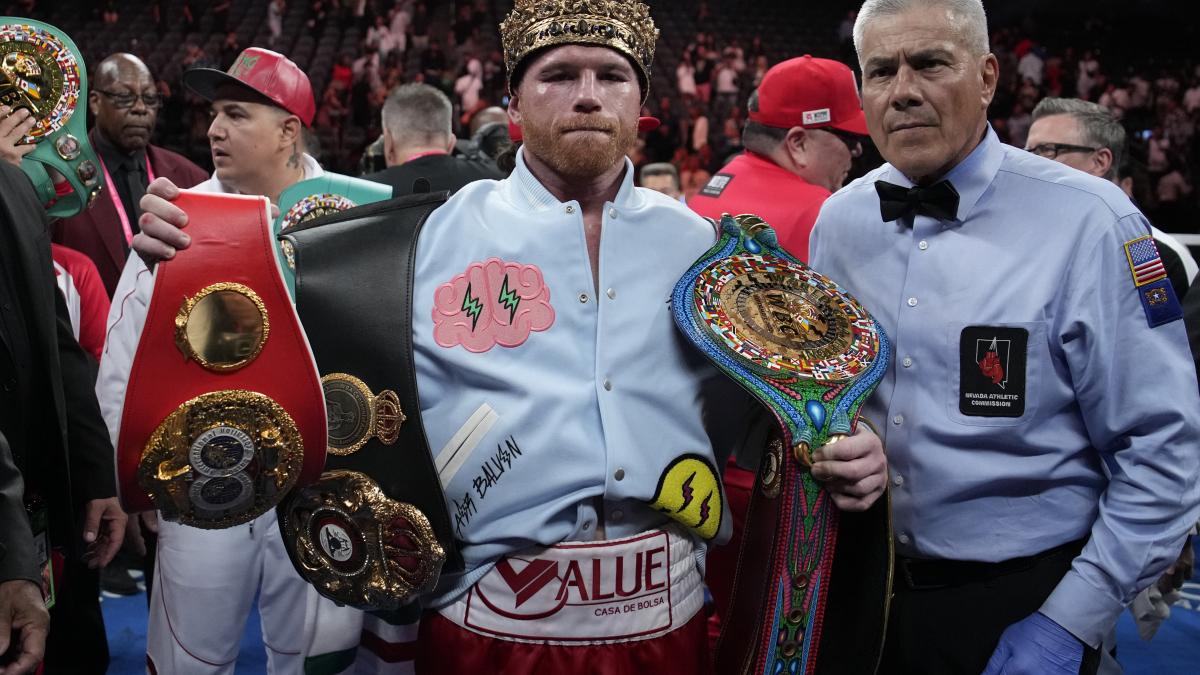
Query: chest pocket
(995, 372)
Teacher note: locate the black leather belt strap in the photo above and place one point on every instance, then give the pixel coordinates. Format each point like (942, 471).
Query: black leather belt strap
(354, 292)
(927, 574)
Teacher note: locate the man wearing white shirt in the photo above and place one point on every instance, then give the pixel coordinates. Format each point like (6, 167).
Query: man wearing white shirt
(206, 580)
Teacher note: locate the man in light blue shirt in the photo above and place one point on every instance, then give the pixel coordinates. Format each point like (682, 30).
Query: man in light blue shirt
(1041, 433)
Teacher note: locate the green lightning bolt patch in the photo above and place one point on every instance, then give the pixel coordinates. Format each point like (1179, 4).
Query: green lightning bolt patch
(472, 307)
(508, 299)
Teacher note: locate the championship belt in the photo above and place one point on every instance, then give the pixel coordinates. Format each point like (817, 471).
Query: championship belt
(374, 531)
(42, 71)
(311, 199)
(811, 354)
(223, 413)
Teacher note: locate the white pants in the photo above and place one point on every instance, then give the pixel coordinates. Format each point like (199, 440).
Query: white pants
(204, 584)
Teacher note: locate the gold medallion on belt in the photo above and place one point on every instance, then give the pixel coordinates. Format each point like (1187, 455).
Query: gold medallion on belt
(355, 415)
(224, 457)
(360, 547)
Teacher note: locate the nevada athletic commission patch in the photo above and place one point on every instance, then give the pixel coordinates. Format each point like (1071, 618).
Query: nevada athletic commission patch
(992, 371)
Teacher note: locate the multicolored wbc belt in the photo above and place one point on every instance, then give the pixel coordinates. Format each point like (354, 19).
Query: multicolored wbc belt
(374, 531)
(223, 411)
(42, 71)
(811, 354)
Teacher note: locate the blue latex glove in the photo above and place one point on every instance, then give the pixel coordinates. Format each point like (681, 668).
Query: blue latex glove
(1036, 645)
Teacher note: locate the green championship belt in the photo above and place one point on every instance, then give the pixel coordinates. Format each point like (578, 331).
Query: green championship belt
(42, 71)
(811, 354)
(316, 197)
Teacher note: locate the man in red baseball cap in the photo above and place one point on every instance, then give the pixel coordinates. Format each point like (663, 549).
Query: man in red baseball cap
(206, 580)
(805, 126)
(258, 107)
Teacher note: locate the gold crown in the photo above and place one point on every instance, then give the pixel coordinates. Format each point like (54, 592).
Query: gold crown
(623, 25)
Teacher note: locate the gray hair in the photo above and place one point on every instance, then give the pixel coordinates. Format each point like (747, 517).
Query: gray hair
(968, 14)
(661, 169)
(417, 113)
(1099, 126)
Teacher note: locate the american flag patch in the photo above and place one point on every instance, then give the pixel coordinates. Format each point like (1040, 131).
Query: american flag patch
(1144, 262)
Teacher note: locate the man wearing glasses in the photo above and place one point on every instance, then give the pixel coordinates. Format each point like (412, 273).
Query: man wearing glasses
(125, 102)
(1086, 136)
(806, 123)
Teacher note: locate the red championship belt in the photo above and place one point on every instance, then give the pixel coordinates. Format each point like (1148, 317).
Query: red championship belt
(224, 412)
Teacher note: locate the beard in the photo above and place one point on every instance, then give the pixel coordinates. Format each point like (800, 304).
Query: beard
(580, 157)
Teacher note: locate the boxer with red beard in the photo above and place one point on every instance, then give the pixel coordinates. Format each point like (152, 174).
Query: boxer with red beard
(575, 432)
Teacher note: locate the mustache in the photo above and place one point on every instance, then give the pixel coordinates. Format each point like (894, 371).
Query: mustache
(905, 123)
(588, 124)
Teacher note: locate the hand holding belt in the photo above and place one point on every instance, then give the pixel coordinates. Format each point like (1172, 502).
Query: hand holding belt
(42, 71)
(374, 531)
(811, 354)
(223, 413)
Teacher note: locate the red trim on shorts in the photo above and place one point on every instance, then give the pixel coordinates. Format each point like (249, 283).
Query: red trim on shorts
(389, 652)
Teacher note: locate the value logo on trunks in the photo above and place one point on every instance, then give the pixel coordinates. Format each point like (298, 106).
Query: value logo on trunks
(607, 590)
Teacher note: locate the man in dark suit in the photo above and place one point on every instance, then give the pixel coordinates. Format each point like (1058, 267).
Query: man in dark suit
(125, 102)
(417, 142)
(46, 398)
(22, 610)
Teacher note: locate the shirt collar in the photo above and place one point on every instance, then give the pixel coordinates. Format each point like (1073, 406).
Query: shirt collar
(528, 190)
(971, 177)
(427, 153)
(114, 158)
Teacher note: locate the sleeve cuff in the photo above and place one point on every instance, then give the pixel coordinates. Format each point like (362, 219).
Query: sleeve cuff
(1085, 611)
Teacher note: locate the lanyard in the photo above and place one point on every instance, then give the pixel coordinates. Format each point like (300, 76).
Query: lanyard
(116, 197)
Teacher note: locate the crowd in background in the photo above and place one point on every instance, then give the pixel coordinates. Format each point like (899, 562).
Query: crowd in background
(703, 78)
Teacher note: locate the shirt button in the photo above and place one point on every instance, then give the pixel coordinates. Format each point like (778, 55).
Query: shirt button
(587, 525)
(612, 213)
(912, 302)
(616, 514)
(619, 474)
(903, 538)
(583, 297)
(612, 294)
(907, 362)
(898, 480)
(898, 420)
(569, 209)
(607, 384)
(923, 245)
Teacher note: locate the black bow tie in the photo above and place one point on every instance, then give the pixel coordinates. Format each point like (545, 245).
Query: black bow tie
(938, 201)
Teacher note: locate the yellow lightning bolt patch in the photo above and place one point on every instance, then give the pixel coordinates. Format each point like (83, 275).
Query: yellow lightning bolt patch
(689, 491)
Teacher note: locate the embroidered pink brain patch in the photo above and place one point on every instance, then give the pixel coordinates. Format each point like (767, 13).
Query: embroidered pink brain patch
(493, 303)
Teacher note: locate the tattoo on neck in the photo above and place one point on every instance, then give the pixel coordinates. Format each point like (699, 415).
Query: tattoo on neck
(294, 160)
